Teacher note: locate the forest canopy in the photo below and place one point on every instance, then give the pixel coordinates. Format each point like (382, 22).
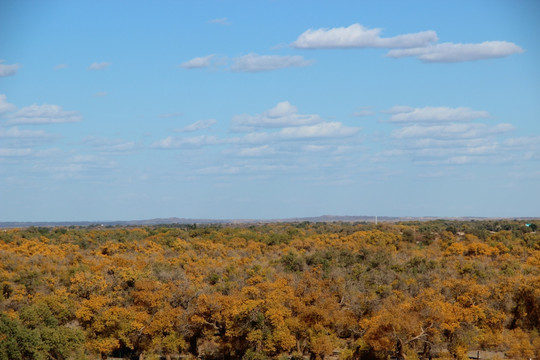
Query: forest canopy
(411, 290)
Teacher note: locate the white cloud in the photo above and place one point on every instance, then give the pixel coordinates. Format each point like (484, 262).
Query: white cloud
(44, 114)
(471, 130)
(442, 135)
(109, 145)
(315, 148)
(78, 164)
(8, 70)
(398, 109)
(450, 52)
(14, 152)
(255, 63)
(263, 150)
(322, 130)
(357, 36)
(60, 66)
(363, 113)
(219, 170)
(434, 114)
(422, 45)
(220, 21)
(198, 125)
(325, 130)
(172, 142)
(282, 115)
(278, 130)
(99, 66)
(198, 62)
(15, 133)
(452, 143)
(4, 105)
(523, 142)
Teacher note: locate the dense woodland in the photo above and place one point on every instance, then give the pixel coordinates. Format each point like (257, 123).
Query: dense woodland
(415, 290)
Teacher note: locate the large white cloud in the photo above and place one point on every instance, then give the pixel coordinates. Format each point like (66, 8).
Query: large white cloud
(422, 45)
(256, 63)
(358, 36)
(282, 115)
(198, 62)
(449, 52)
(43, 114)
(8, 70)
(404, 114)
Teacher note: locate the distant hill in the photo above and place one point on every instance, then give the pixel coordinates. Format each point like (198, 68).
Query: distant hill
(175, 220)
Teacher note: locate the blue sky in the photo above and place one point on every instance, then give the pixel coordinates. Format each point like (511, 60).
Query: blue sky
(117, 110)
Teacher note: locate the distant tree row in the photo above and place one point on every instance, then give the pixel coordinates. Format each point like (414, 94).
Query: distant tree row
(415, 290)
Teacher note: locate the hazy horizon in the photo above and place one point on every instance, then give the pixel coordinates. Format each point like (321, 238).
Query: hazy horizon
(116, 111)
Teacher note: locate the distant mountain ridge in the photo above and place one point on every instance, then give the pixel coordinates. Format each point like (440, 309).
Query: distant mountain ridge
(186, 221)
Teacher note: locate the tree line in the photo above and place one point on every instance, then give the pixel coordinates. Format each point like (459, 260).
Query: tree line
(411, 290)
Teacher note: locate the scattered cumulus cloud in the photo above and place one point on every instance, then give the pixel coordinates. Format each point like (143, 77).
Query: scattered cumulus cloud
(315, 148)
(173, 142)
(109, 145)
(448, 142)
(443, 135)
(405, 114)
(358, 36)
(256, 63)
(83, 164)
(282, 115)
(322, 130)
(8, 70)
(471, 130)
(198, 62)
(219, 170)
(264, 150)
(8, 152)
(449, 52)
(16, 133)
(278, 130)
(16, 138)
(325, 130)
(198, 125)
(99, 66)
(524, 141)
(43, 114)
(220, 21)
(364, 113)
(4, 105)
(398, 109)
